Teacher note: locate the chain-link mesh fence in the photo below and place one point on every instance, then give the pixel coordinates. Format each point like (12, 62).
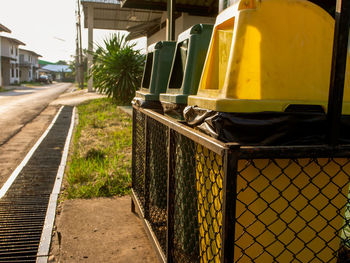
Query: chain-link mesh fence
(241, 207)
(290, 210)
(209, 175)
(138, 156)
(185, 216)
(158, 174)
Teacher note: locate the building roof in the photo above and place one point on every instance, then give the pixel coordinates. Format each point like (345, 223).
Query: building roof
(57, 68)
(44, 62)
(108, 14)
(4, 29)
(13, 40)
(193, 7)
(29, 51)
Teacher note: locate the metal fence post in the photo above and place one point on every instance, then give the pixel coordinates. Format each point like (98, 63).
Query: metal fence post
(229, 203)
(170, 197)
(133, 156)
(340, 51)
(146, 170)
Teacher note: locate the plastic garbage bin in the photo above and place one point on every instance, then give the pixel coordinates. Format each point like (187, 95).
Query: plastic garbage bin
(266, 55)
(156, 73)
(189, 57)
(190, 53)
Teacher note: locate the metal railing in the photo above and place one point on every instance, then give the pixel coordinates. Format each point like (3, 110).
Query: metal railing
(205, 201)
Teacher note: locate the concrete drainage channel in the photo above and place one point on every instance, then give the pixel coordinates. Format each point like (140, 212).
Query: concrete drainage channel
(28, 199)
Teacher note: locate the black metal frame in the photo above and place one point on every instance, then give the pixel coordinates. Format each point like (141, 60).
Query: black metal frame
(340, 51)
(232, 153)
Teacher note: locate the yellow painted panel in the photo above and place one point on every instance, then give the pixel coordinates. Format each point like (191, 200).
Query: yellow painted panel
(284, 208)
(271, 52)
(290, 203)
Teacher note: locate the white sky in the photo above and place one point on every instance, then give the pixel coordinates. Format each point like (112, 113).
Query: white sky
(47, 27)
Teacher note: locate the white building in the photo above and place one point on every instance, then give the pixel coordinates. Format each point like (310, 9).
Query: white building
(2, 29)
(58, 72)
(10, 60)
(29, 65)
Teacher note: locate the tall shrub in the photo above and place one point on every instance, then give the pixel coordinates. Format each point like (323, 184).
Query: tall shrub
(117, 69)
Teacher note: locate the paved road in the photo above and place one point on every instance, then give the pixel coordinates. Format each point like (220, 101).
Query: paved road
(20, 106)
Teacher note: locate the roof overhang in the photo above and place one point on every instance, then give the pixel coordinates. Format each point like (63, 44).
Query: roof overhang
(108, 14)
(13, 40)
(32, 52)
(4, 29)
(199, 7)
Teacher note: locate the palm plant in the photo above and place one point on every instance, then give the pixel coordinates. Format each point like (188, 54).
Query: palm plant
(117, 68)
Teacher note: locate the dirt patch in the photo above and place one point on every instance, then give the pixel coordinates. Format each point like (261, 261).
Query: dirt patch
(100, 230)
(76, 97)
(14, 150)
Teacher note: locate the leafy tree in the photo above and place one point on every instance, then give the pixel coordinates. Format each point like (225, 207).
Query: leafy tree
(61, 62)
(117, 68)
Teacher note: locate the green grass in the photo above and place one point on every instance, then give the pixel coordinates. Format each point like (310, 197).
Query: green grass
(100, 158)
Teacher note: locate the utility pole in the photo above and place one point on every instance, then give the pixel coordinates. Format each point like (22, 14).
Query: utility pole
(77, 60)
(81, 59)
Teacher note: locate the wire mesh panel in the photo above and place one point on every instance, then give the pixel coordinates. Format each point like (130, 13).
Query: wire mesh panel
(158, 174)
(223, 202)
(209, 176)
(290, 210)
(138, 155)
(186, 234)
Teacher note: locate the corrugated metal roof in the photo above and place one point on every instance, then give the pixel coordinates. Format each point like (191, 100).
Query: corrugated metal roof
(193, 7)
(57, 68)
(4, 29)
(112, 16)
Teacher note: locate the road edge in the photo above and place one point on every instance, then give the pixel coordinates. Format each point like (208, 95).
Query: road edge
(46, 236)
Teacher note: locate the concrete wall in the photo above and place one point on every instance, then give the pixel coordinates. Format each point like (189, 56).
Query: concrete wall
(8, 49)
(0, 66)
(29, 62)
(5, 73)
(182, 23)
(14, 70)
(10, 67)
(26, 74)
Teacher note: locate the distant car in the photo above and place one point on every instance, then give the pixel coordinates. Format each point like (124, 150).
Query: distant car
(45, 79)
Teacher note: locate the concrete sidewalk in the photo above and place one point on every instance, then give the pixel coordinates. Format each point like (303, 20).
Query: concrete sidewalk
(96, 230)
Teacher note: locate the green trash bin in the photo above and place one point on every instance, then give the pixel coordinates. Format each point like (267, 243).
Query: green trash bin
(190, 53)
(156, 73)
(189, 57)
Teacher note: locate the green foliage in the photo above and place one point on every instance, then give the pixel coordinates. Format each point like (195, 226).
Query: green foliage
(117, 68)
(100, 161)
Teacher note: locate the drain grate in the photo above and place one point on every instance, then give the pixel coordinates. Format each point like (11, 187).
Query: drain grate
(23, 208)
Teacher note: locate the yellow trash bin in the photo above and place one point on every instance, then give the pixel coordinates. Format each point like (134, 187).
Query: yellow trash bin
(285, 208)
(290, 209)
(209, 176)
(265, 55)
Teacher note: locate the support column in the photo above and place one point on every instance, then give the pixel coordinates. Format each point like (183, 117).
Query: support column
(90, 44)
(170, 20)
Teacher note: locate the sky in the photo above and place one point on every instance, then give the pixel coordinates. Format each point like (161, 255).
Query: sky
(47, 27)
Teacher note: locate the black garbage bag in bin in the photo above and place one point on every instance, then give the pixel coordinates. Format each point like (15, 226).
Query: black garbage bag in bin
(266, 128)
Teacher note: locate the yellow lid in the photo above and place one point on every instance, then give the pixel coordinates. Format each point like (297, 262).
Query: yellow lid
(270, 53)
